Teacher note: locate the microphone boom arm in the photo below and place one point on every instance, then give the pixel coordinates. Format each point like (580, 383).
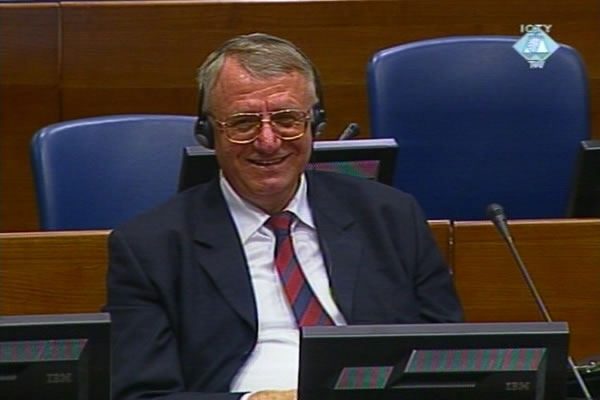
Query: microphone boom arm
(496, 214)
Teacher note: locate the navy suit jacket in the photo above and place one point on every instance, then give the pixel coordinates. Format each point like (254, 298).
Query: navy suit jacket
(182, 304)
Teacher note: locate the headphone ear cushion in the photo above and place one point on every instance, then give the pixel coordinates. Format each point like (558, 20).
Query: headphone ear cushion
(319, 119)
(203, 132)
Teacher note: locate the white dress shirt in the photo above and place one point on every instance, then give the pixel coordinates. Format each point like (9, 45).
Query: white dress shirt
(273, 364)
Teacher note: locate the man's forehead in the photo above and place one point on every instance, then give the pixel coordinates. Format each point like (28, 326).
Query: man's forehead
(237, 85)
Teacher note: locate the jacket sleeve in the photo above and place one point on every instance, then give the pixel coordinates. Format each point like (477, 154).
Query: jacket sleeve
(434, 283)
(145, 355)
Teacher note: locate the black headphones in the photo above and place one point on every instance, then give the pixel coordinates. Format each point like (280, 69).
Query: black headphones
(204, 130)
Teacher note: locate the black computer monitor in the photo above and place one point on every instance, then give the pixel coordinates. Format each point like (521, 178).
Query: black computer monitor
(466, 361)
(368, 158)
(584, 200)
(57, 356)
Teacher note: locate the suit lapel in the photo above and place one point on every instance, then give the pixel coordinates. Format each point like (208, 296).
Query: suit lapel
(340, 242)
(219, 252)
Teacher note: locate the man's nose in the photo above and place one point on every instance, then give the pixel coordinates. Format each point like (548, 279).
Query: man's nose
(267, 139)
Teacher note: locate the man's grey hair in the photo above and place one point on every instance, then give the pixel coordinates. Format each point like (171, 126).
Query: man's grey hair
(263, 56)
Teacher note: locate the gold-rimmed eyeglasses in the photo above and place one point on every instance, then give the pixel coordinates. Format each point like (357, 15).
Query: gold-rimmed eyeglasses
(243, 128)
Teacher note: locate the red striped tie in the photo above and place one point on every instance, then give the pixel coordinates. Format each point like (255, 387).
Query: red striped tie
(304, 303)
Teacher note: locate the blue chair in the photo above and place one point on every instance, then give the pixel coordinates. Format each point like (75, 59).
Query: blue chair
(95, 173)
(476, 125)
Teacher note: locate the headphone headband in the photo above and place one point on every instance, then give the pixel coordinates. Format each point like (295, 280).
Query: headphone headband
(203, 129)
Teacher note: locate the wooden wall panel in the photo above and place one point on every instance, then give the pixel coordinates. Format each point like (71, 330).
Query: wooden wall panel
(563, 257)
(595, 103)
(29, 92)
(104, 54)
(141, 56)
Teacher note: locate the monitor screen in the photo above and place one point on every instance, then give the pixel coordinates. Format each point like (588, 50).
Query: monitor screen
(585, 193)
(55, 356)
(475, 361)
(368, 158)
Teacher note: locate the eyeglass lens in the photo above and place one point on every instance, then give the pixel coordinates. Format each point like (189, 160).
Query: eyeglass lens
(286, 123)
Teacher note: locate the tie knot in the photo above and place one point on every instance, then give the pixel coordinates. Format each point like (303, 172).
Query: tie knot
(280, 222)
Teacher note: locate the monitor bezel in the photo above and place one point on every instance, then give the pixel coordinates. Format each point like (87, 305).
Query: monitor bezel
(95, 327)
(356, 345)
(584, 198)
(199, 164)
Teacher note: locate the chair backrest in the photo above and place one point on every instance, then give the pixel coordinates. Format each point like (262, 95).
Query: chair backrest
(95, 173)
(475, 124)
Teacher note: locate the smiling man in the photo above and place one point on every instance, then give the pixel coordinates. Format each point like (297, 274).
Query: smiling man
(207, 292)
(264, 169)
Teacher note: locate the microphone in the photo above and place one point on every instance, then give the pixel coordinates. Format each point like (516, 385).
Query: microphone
(496, 214)
(350, 131)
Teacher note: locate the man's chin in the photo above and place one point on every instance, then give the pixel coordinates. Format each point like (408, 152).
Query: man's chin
(272, 189)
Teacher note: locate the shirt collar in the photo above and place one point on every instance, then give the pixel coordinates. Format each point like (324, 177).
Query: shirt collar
(248, 218)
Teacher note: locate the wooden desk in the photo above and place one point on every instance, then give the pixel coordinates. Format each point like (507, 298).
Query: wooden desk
(442, 232)
(563, 257)
(63, 272)
(52, 272)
